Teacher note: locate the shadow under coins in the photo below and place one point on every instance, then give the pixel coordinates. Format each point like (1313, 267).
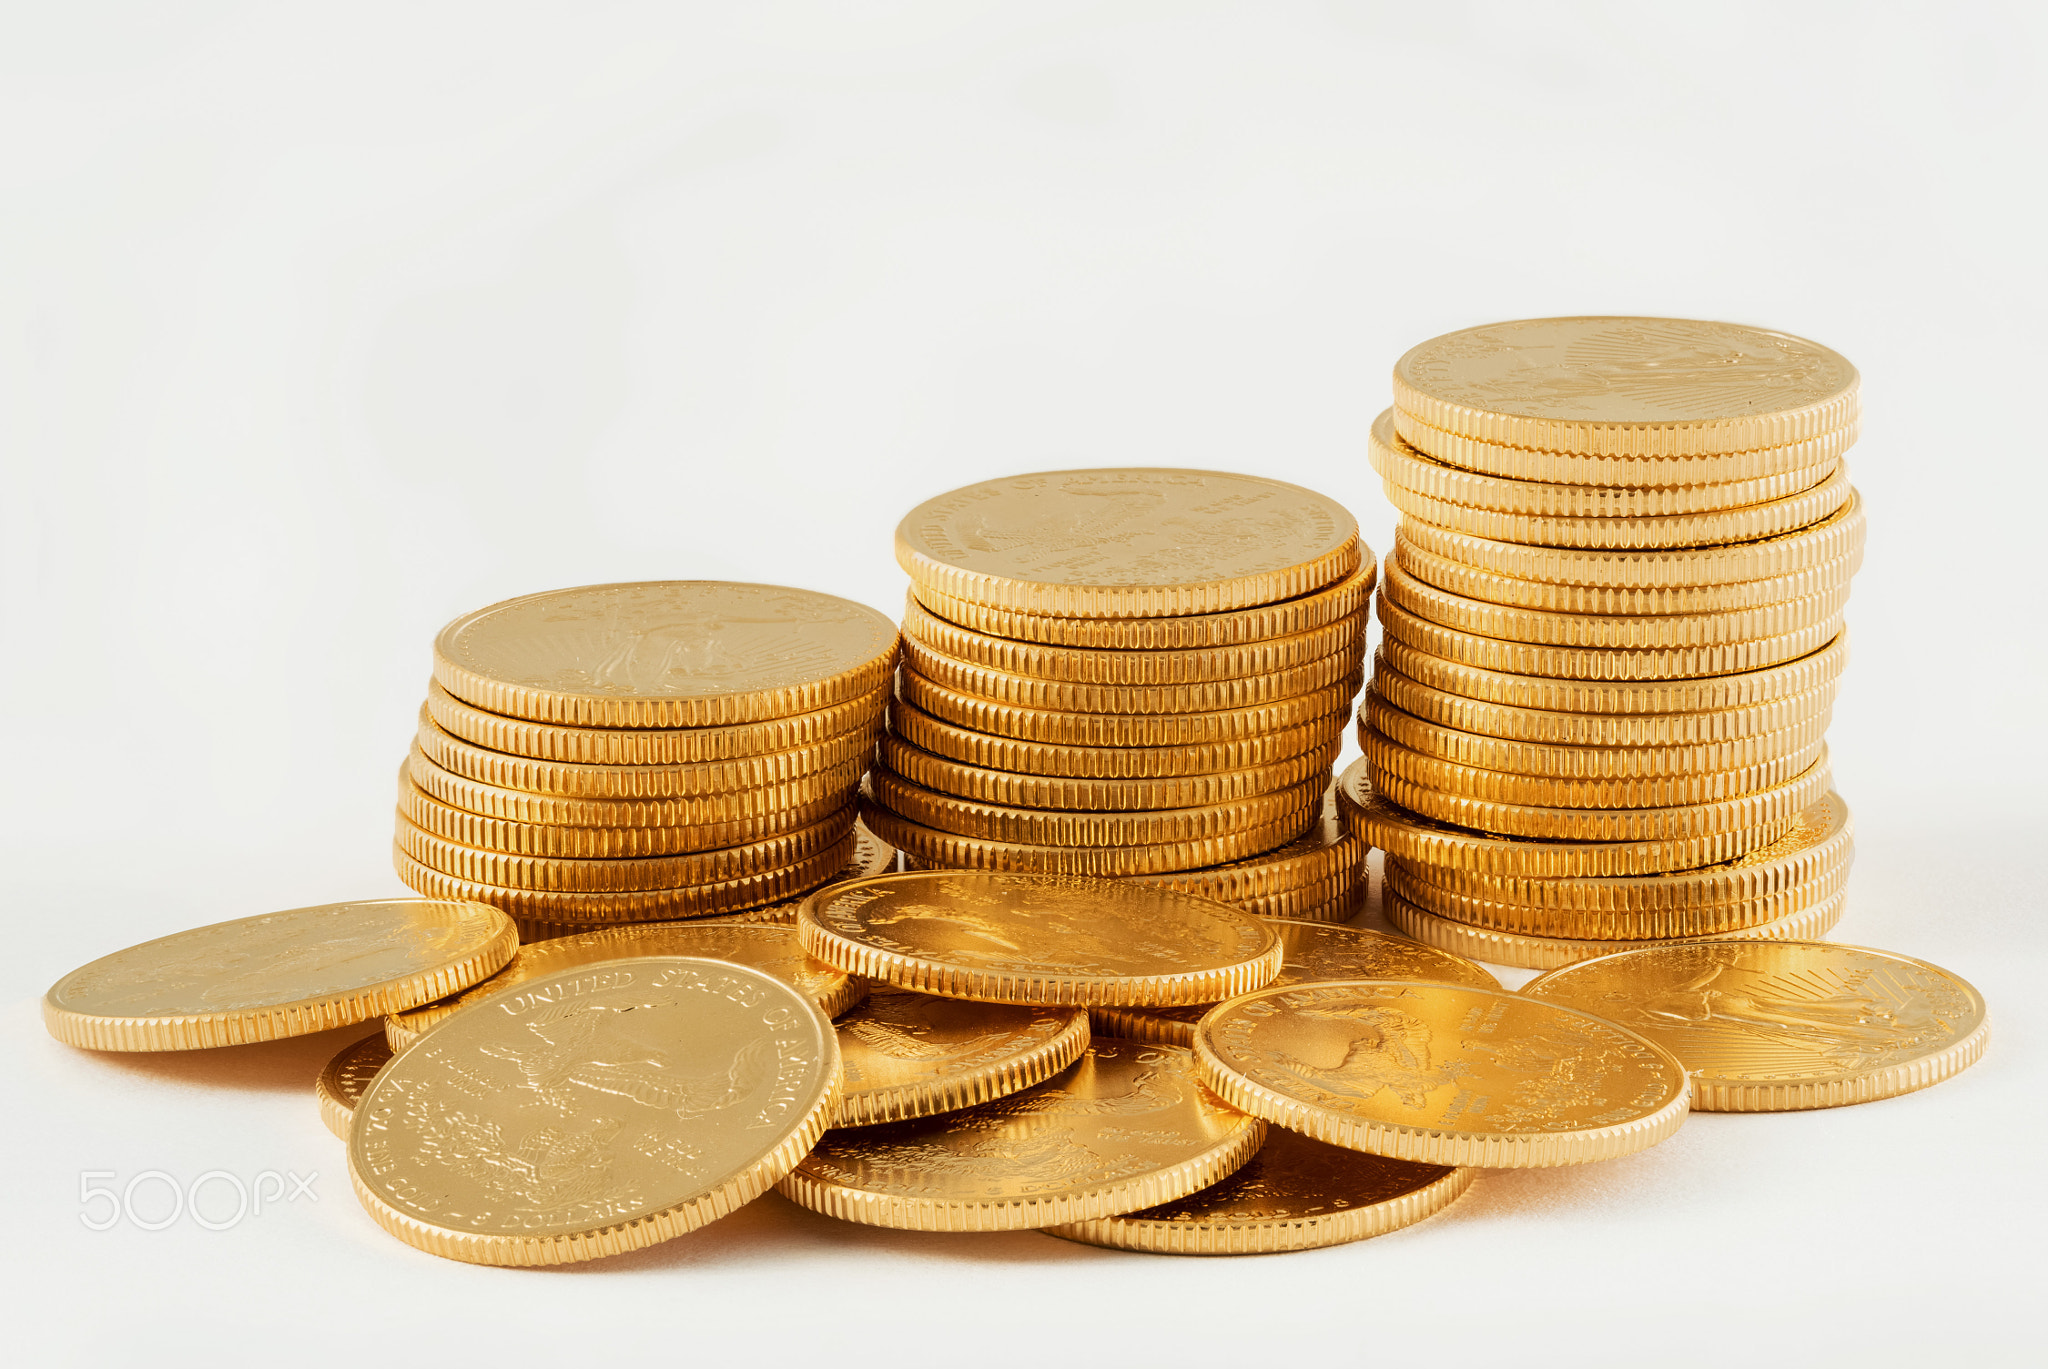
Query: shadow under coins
(287, 1066)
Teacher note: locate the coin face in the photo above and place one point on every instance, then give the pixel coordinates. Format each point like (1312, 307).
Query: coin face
(347, 1078)
(1783, 1025)
(1124, 543)
(280, 974)
(594, 1110)
(666, 653)
(912, 1055)
(1126, 1127)
(1442, 1073)
(1045, 939)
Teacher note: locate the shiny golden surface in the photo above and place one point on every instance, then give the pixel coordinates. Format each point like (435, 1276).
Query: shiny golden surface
(768, 947)
(1324, 853)
(1547, 597)
(1140, 542)
(1112, 729)
(280, 974)
(665, 654)
(1002, 822)
(981, 750)
(1506, 462)
(715, 819)
(951, 851)
(594, 1111)
(1038, 939)
(986, 785)
(346, 1078)
(1294, 1194)
(1067, 696)
(1778, 1026)
(1627, 386)
(1126, 1127)
(1441, 1073)
(913, 1055)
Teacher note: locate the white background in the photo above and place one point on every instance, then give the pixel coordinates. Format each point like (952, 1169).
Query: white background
(322, 324)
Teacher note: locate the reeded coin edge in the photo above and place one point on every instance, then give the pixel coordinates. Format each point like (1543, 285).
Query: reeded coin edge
(930, 1097)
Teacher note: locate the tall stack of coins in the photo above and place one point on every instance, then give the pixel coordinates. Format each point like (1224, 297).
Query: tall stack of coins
(1140, 673)
(1612, 637)
(638, 752)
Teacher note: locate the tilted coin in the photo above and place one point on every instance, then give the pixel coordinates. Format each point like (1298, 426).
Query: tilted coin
(914, 1055)
(1139, 542)
(1627, 386)
(280, 974)
(947, 776)
(665, 653)
(1783, 1025)
(346, 1078)
(1502, 461)
(1550, 597)
(1125, 1127)
(1339, 601)
(1038, 939)
(1002, 822)
(1441, 1073)
(1122, 729)
(594, 1111)
(1067, 696)
(767, 947)
(1294, 1194)
(1313, 952)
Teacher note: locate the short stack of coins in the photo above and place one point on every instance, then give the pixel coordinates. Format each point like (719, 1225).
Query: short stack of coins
(643, 752)
(1138, 673)
(1611, 638)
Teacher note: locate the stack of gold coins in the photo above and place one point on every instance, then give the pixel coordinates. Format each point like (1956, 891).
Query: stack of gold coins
(1140, 673)
(1612, 635)
(638, 752)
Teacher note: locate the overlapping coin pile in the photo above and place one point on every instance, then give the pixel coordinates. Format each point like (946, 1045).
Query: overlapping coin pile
(1612, 636)
(1140, 673)
(638, 752)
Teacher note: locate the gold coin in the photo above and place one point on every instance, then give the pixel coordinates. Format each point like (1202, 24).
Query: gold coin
(346, 1078)
(1294, 1194)
(1141, 542)
(650, 905)
(281, 974)
(1441, 1073)
(1818, 848)
(955, 743)
(1623, 472)
(1205, 696)
(702, 823)
(618, 875)
(651, 746)
(1782, 748)
(1547, 597)
(1339, 602)
(1125, 1127)
(1659, 792)
(665, 653)
(951, 851)
(821, 764)
(913, 1055)
(1126, 668)
(1122, 729)
(594, 1111)
(1610, 632)
(1627, 386)
(1747, 524)
(1324, 853)
(945, 776)
(1044, 827)
(1548, 952)
(1040, 939)
(1704, 695)
(1587, 663)
(1410, 836)
(1313, 902)
(1413, 469)
(1313, 952)
(766, 946)
(1833, 538)
(1785, 1025)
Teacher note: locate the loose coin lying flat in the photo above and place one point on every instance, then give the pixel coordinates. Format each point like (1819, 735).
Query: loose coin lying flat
(913, 1055)
(280, 974)
(1442, 1073)
(1295, 1194)
(594, 1111)
(1040, 939)
(1783, 1025)
(346, 1078)
(768, 947)
(1126, 1127)
(1312, 952)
